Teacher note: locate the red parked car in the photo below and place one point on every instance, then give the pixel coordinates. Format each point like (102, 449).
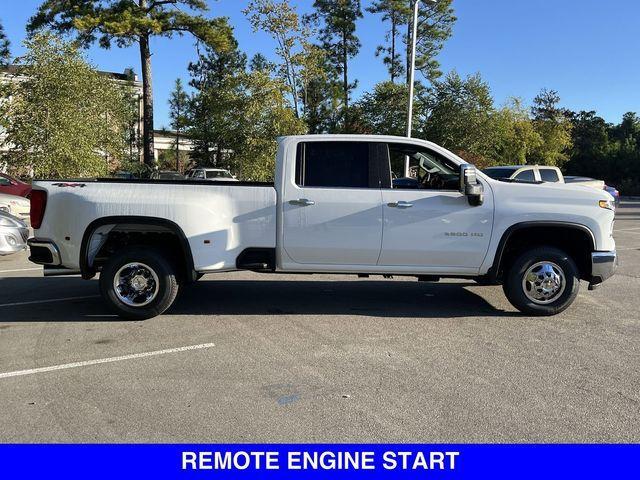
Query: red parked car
(13, 186)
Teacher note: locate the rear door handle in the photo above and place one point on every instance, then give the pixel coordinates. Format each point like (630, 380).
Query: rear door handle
(400, 204)
(302, 202)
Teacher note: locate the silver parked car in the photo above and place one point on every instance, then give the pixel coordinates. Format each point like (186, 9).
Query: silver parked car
(13, 234)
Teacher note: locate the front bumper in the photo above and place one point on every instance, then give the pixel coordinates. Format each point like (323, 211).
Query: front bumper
(603, 266)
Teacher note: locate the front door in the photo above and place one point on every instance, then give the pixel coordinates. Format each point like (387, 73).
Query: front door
(333, 211)
(427, 221)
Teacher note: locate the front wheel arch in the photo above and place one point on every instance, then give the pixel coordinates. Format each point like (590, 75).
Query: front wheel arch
(575, 239)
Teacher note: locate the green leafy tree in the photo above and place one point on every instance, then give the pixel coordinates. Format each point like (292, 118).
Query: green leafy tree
(337, 31)
(591, 148)
(265, 115)
(179, 115)
(5, 52)
(127, 22)
(435, 26)
(397, 13)
(63, 118)
(216, 106)
(383, 111)
(514, 135)
(460, 116)
(280, 20)
(554, 128)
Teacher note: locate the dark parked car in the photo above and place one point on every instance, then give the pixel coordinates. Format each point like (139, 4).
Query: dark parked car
(613, 191)
(12, 186)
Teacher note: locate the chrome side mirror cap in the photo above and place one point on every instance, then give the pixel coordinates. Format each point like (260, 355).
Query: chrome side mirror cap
(470, 186)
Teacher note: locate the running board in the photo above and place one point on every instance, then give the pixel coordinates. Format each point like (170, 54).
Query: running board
(59, 271)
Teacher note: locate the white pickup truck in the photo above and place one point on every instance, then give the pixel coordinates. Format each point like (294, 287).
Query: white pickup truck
(334, 208)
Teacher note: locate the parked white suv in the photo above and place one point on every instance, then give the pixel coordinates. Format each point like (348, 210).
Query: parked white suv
(332, 209)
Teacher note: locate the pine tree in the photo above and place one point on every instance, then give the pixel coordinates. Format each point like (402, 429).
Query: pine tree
(396, 12)
(337, 31)
(435, 26)
(215, 106)
(5, 52)
(178, 110)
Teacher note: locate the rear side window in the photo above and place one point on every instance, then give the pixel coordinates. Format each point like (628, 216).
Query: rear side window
(549, 175)
(526, 176)
(334, 164)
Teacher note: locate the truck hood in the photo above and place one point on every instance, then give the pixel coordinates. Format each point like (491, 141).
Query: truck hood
(562, 192)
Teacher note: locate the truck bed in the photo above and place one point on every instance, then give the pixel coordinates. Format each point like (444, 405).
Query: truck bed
(218, 219)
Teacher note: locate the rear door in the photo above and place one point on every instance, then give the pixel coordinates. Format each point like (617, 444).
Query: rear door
(333, 209)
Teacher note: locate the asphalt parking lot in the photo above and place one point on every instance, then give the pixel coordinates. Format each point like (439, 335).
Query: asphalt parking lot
(321, 359)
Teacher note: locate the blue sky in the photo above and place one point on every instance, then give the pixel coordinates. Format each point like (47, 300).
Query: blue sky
(588, 50)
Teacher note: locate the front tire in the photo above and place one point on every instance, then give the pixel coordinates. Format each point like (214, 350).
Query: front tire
(543, 281)
(138, 283)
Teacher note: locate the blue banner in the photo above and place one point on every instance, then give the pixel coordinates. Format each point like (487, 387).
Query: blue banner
(333, 461)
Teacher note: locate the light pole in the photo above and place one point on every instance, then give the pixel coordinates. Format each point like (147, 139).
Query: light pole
(412, 74)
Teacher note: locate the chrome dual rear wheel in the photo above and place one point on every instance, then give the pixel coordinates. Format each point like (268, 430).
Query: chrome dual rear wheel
(136, 284)
(139, 282)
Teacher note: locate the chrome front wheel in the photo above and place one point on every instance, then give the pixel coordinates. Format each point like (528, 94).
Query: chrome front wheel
(136, 284)
(543, 282)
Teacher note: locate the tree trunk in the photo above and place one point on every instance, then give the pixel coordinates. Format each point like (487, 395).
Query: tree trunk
(178, 150)
(345, 80)
(393, 47)
(147, 101)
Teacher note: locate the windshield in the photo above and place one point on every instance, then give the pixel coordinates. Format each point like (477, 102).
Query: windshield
(218, 174)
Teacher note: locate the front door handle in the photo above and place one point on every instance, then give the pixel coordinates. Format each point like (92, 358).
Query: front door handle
(302, 202)
(400, 204)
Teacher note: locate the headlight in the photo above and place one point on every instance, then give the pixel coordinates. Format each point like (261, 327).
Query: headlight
(608, 204)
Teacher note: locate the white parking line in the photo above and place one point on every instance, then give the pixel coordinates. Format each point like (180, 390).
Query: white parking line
(53, 300)
(134, 356)
(21, 270)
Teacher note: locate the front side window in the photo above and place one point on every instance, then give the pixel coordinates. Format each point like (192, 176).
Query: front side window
(4, 181)
(428, 170)
(526, 176)
(333, 164)
(549, 175)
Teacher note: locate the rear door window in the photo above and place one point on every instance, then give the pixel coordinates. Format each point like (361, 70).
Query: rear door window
(336, 165)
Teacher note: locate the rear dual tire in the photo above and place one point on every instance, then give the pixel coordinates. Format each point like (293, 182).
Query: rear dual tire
(138, 283)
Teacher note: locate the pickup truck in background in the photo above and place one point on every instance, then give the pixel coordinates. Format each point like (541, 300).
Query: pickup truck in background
(332, 209)
(539, 174)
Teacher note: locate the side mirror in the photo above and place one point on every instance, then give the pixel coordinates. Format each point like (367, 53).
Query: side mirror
(470, 186)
